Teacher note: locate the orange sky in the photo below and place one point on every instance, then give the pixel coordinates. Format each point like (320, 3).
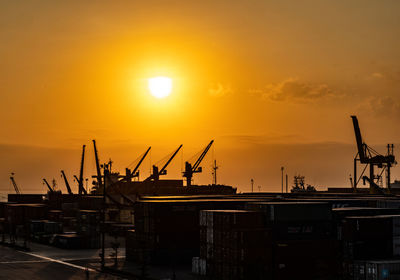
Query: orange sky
(273, 82)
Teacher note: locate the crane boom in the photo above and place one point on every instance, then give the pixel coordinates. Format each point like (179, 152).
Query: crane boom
(80, 181)
(156, 173)
(190, 170)
(14, 184)
(140, 162)
(96, 156)
(367, 155)
(66, 182)
(203, 154)
(360, 144)
(48, 185)
(170, 159)
(83, 189)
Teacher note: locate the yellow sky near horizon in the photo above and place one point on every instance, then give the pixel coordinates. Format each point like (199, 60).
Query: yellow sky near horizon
(280, 72)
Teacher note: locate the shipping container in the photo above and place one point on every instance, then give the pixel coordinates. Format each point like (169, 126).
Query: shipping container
(370, 227)
(382, 269)
(293, 211)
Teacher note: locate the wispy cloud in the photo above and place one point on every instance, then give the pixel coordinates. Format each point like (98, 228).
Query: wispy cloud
(382, 106)
(294, 90)
(219, 90)
(262, 139)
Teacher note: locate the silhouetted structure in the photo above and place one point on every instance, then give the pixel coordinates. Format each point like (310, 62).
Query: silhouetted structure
(368, 156)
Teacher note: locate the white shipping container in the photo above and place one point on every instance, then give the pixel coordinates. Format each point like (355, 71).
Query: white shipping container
(210, 235)
(210, 219)
(202, 267)
(195, 265)
(203, 218)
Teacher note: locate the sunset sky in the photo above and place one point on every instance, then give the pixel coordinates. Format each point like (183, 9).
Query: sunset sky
(272, 82)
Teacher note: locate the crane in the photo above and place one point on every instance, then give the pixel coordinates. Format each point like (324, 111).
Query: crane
(96, 157)
(82, 189)
(80, 180)
(14, 184)
(135, 171)
(66, 182)
(368, 156)
(48, 185)
(190, 170)
(156, 172)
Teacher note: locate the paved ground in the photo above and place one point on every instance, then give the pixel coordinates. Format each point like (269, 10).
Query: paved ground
(50, 263)
(46, 262)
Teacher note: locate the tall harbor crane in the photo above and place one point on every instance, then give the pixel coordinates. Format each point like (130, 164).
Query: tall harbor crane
(66, 182)
(155, 176)
(48, 185)
(368, 156)
(80, 179)
(14, 184)
(196, 168)
(135, 172)
(99, 176)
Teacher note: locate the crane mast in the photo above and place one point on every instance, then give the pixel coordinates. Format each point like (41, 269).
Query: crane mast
(66, 182)
(14, 184)
(80, 180)
(135, 171)
(96, 156)
(368, 156)
(190, 170)
(156, 172)
(48, 185)
(83, 189)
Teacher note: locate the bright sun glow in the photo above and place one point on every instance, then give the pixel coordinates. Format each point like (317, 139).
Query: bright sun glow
(160, 87)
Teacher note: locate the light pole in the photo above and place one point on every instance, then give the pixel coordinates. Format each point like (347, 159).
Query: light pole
(282, 168)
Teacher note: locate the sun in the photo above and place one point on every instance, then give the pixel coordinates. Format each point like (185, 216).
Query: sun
(160, 87)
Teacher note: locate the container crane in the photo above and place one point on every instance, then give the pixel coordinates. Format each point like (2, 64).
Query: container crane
(155, 176)
(14, 184)
(196, 168)
(48, 185)
(368, 156)
(66, 182)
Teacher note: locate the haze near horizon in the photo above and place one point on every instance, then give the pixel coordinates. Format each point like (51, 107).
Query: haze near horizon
(273, 82)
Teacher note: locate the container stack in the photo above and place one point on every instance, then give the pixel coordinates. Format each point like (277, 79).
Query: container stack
(303, 241)
(43, 231)
(233, 245)
(373, 270)
(56, 216)
(69, 215)
(371, 237)
(89, 227)
(18, 217)
(168, 230)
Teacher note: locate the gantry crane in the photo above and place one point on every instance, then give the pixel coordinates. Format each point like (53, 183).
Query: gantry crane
(155, 176)
(66, 182)
(48, 185)
(14, 184)
(368, 156)
(196, 168)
